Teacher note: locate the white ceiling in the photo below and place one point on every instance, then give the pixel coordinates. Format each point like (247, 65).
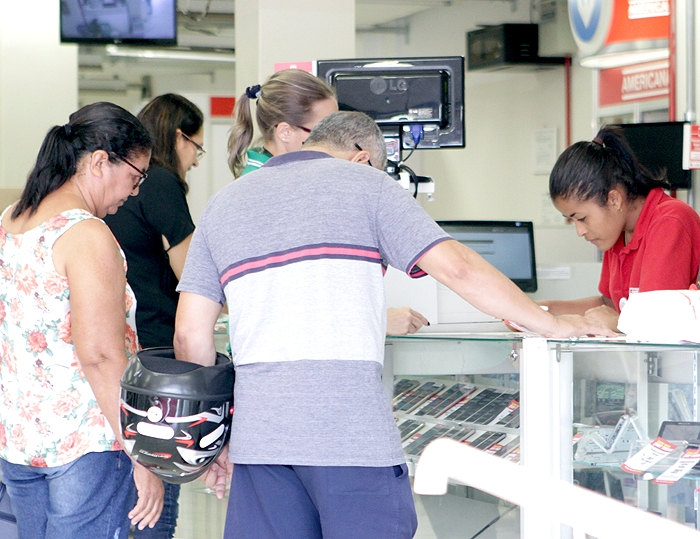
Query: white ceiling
(210, 24)
(368, 12)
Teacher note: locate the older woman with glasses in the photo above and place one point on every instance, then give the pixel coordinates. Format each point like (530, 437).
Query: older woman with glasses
(154, 229)
(67, 330)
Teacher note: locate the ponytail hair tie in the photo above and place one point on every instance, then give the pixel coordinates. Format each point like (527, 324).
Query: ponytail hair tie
(253, 92)
(599, 141)
(67, 131)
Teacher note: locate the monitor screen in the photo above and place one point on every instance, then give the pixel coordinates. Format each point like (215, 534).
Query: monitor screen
(400, 97)
(129, 22)
(680, 430)
(659, 147)
(417, 102)
(507, 245)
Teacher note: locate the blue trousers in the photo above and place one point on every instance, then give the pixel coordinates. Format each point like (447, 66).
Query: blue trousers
(320, 502)
(88, 498)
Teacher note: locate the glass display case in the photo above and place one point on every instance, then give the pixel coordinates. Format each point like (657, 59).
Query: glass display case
(582, 410)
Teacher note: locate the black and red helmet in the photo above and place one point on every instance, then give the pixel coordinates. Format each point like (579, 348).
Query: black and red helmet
(175, 415)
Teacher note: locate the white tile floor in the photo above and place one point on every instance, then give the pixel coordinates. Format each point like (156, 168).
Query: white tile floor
(202, 516)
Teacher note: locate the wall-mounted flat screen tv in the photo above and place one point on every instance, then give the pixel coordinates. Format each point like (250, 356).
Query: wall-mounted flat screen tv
(127, 22)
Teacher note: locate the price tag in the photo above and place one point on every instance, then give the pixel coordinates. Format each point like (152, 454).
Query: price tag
(648, 456)
(493, 449)
(691, 142)
(689, 458)
(513, 456)
(512, 407)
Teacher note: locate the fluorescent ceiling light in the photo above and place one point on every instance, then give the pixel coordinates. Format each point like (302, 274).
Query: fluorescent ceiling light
(97, 85)
(423, 3)
(619, 59)
(169, 54)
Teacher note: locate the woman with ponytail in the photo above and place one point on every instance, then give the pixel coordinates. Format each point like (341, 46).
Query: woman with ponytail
(67, 331)
(288, 106)
(650, 240)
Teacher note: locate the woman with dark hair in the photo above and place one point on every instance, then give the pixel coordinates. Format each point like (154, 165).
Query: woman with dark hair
(155, 228)
(650, 240)
(67, 333)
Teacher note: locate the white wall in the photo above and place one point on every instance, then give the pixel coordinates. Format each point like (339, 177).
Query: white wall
(38, 83)
(272, 31)
(493, 176)
(219, 82)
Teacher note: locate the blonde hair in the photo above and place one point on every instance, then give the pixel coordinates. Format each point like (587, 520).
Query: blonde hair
(287, 96)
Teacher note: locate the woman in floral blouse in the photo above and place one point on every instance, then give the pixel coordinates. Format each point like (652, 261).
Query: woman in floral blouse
(66, 331)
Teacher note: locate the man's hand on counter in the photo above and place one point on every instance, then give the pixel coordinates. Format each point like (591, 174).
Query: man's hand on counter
(404, 321)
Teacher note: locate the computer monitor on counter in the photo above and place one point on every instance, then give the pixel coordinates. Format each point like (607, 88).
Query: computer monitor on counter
(507, 245)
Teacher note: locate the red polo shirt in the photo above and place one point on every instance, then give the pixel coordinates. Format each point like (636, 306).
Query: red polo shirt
(664, 253)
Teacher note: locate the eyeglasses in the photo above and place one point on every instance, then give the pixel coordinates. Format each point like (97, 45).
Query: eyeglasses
(360, 148)
(200, 151)
(142, 174)
(304, 129)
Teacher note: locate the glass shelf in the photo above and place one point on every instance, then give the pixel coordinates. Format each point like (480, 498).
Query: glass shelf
(570, 386)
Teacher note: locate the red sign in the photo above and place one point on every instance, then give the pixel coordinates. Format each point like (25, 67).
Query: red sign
(598, 24)
(629, 84)
(304, 66)
(694, 153)
(221, 106)
(639, 20)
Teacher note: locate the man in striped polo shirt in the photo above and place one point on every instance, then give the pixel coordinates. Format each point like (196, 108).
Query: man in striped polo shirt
(297, 251)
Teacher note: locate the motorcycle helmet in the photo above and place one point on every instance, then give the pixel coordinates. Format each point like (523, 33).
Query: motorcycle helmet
(175, 415)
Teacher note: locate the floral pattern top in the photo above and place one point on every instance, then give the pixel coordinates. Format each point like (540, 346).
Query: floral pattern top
(48, 412)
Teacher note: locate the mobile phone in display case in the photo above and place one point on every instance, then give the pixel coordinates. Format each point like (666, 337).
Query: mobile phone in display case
(458, 434)
(441, 403)
(413, 398)
(680, 430)
(486, 440)
(408, 428)
(416, 447)
(482, 408)
(402, 385)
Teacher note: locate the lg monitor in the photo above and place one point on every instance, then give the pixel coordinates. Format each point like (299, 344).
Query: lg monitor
(419, 102)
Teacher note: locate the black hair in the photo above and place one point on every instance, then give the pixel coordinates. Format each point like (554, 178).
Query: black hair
(590, 170)
(162, 117)
(98, 126)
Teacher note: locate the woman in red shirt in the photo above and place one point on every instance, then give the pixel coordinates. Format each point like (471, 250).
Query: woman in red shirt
(651, 241)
